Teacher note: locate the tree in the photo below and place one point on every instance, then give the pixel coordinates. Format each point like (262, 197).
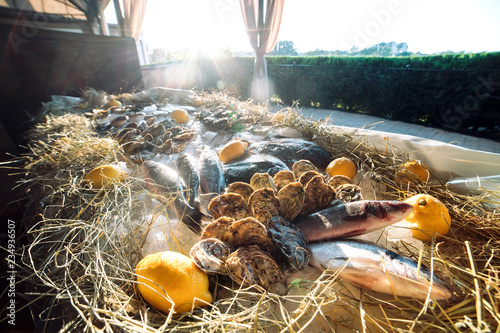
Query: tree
(284, 48)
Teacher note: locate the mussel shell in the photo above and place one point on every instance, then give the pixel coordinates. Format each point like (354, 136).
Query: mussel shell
(230, 205)
(290, 242)
(302, 166)
(283, 178)
(291, 198)
(242, 171)
(244, 189)
(264, 204)
(252, 266)
(210, 255)
(292, 150)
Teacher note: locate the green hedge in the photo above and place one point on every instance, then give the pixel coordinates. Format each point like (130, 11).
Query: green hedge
(460, 92)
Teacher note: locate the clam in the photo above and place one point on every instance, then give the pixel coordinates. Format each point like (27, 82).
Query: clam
(283, 178)
(319, 195)
(291, 198)
(264, 204)
(302, 166)
(250, 231)
(211, 254)
(230, 205)
(262, 180)
(219, 229)
(252, 266)
(244, 189)
(290, 242)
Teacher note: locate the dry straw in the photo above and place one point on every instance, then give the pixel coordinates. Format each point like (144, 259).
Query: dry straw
(83, 245)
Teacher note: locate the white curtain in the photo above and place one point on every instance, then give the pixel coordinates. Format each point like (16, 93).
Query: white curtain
(133, 14)
(263, 34)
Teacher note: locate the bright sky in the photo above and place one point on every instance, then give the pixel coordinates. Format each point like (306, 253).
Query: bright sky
(428, 26)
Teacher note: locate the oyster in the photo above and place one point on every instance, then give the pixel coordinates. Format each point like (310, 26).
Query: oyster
(338, 180)
(290, 242)
(250, 231)
(262, 180)
(291, 199)
(230, 205)
(244, 189)
(307, 176)
(319, 195)
(349, 193)
(302, 166)
(252, 266)
(210, 255)
(219, 229)
(283, 178)
(264, 204)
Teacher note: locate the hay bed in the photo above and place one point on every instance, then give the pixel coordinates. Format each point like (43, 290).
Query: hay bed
(83, 247)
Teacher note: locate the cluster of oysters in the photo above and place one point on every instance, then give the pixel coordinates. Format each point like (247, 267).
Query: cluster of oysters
(252, 238)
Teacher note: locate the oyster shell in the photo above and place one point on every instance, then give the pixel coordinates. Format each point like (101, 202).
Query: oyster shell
(283, 178)
(349, 193)
(302, 166)
(219, 229)
(291, 199)
(250, 231)
(338, 180)
(264, 204)
(319, 195)
(230, 205)
(262, 180)
(290, 242)
(307, 176)
(252, 266)
(210, 255)
(244, 189)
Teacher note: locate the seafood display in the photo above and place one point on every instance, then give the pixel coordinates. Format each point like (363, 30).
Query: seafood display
(376, 268)
(274, 207)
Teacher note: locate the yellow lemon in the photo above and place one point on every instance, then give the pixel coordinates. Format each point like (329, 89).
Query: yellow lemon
(232, 150)
(412, 170)
(171, 280)
(430, 217)
(103, 174)
(342, 166)
(180, 116)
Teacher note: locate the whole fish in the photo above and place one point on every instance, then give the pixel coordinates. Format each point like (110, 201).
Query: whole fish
(212, 180)
(371, 266)
(166, 183)
(351, 219)
(187, 167)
